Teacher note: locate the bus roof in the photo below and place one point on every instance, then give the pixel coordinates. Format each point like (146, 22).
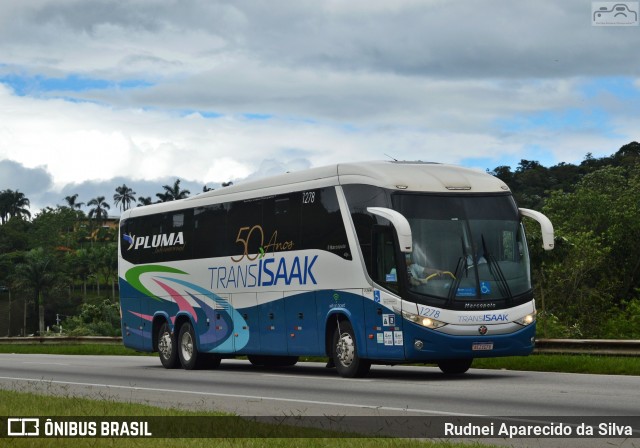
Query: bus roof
(396, 175)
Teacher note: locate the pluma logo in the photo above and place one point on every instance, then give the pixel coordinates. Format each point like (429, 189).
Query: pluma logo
(129, 239)
(154, 241)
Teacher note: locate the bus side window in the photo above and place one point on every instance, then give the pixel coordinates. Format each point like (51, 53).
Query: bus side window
(244, 229)
(322, 224)
(359, 197)
(210, 231)
(385, 269)
(281, 223)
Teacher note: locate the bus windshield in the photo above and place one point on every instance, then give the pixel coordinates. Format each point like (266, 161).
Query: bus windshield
(465, 247)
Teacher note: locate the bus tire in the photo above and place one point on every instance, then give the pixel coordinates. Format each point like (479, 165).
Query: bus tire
(187, 349)
(167, 347)
(345, 353)
(455, 366)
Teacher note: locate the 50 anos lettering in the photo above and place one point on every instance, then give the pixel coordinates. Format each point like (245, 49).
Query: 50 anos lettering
(245, 235)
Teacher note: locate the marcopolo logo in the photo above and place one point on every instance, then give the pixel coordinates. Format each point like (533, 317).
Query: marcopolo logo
(154, 241)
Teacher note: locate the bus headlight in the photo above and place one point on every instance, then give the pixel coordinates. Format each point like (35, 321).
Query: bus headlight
(428, 322)
(526, 320)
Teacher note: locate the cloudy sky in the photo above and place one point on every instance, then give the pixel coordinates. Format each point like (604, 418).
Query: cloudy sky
(98, 93)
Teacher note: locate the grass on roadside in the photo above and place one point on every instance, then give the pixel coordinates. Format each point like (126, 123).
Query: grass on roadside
(25, 404)
(70, 349)
(602, 365)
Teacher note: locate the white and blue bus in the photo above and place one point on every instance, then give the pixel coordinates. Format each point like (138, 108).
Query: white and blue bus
(363, 263)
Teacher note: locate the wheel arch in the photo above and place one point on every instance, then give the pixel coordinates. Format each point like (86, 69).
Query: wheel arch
(331, 323)
(158, 320)
(180, 320)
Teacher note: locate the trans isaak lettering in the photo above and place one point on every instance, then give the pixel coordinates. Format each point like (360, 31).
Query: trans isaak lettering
(265, 272)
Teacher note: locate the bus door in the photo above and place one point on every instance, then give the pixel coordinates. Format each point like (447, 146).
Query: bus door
(246, 304)
(384, 327)
(302, 323)
(133, 326)
(272, 323)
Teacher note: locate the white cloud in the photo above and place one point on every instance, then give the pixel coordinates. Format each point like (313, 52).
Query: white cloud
(336, 81)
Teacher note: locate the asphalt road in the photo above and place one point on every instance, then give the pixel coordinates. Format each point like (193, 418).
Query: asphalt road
(309, 389)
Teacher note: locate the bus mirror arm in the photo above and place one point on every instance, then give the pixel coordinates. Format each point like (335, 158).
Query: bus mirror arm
(545, 226)
(403, 229)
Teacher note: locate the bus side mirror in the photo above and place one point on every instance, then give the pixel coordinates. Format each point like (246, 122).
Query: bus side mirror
(545, 226)
(403, 229)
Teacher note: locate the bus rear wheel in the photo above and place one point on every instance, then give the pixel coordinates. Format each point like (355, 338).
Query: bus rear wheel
(345, 353)
(187, 349)
(455, 366)
(167, 347)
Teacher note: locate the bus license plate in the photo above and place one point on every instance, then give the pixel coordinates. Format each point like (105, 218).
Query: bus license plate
(482, 346)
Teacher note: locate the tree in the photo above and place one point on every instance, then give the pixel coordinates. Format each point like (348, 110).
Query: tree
(144, 201)
(173, 193)
(102, 319)
(55, 228)
(100, 209)
(503, 173)
(14, 236)
(124, 196)
(71, 202)
(36, 274)
(79, 263)
(106, 264)
(596, 264)
(13, 204)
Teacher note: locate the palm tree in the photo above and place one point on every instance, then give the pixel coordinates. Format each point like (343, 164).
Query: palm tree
(173, 193)
(144, 201)
(71, 202)
(5, 198)
(100, 209)
(13, 204)
(124, 196)
(36, 274)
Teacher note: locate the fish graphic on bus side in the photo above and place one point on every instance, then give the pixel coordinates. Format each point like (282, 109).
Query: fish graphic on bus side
(183, 293)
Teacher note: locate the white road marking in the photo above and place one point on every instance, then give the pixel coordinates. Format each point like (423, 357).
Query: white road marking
(46, 363)
(248, 397)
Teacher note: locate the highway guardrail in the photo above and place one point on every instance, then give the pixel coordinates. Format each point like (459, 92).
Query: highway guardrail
(608, 347)
(61, 340)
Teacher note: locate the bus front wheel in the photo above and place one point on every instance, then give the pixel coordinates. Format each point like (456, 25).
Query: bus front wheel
(167, 347)
(345, 353)
(455, 366)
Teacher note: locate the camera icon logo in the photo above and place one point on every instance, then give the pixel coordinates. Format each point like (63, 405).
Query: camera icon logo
(23, 427)
(614, 13)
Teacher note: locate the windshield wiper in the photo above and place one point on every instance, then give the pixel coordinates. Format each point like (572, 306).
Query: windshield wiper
(496, 272)
(456, 282)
